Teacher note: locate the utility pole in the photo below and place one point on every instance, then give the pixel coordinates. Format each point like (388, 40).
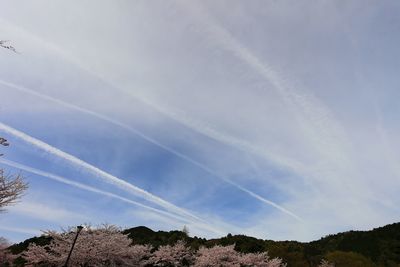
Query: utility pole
(79, 229)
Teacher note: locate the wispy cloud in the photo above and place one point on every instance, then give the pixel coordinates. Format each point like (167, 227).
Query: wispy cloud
(45, 212)
(54, 214)
(187, 122)
(20, 230)
(104, 176)
(265, 98)
(313, 116)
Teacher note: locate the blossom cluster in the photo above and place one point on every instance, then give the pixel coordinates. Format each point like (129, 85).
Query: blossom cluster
(107, 246)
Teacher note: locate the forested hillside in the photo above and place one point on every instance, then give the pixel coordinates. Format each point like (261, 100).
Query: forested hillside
(378, 247)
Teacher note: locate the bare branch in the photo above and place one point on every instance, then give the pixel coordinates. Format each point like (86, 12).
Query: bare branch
(3, 43)
(11, 189)
(3, 142)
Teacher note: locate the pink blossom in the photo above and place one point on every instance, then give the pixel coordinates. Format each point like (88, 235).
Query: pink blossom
(104, 246)
(260, 260)
(217, 256)
(5, 255)
(177, 255)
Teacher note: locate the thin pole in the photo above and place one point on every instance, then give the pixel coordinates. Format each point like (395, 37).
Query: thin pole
(73, 244)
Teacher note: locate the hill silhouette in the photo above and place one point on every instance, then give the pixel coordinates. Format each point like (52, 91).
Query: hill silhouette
(377, 247)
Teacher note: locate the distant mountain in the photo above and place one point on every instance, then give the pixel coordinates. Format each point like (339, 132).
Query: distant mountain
(378, 247)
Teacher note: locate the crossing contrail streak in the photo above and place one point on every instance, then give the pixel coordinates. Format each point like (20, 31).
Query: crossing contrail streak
(166, 111)
(82, 186)
(151, 140)
(313, 116)
(104, 176)
(181, 118)
(99, 191)
(104, 118)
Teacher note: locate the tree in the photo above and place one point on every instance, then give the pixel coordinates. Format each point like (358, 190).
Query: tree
(343, 259)
(103, 246)
(11, 187)
(217, 256)
(228, 256)
(176, 255)
(260, 260)
(6, 256)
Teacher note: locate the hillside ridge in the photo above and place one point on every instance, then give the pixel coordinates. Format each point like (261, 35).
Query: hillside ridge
(377, 247)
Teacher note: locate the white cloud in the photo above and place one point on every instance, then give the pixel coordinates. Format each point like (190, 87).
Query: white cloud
(45, 211)
(20, 230)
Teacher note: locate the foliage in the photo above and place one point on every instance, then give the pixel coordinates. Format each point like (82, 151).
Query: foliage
(217, 256)
(143, 235)
(104, 246)
(6, 257)
(385, 240)
(381, 245)
(242, 243)
(343, 259)
(228, 256)
(260, 260)
(108, 246)
(176, 255)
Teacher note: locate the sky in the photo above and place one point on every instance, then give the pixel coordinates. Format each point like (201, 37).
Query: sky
(274, 119)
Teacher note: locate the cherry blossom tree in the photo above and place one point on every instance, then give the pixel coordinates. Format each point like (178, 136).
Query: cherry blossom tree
(6, 256)
(227, 256)
(260, 260)
(11, 187)
(176, 255)
(107, 246)
(217, 256)
(104, 246)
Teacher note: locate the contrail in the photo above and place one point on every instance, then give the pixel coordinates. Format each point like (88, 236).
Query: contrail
(167, 111)
(315, 119)
(82, 186)
(211, 132)
(307, 109)
(104, 176)
(177, 116)
(98, 191)
(105, 118)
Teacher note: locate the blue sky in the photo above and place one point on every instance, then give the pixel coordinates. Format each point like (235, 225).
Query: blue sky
(275, 119)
